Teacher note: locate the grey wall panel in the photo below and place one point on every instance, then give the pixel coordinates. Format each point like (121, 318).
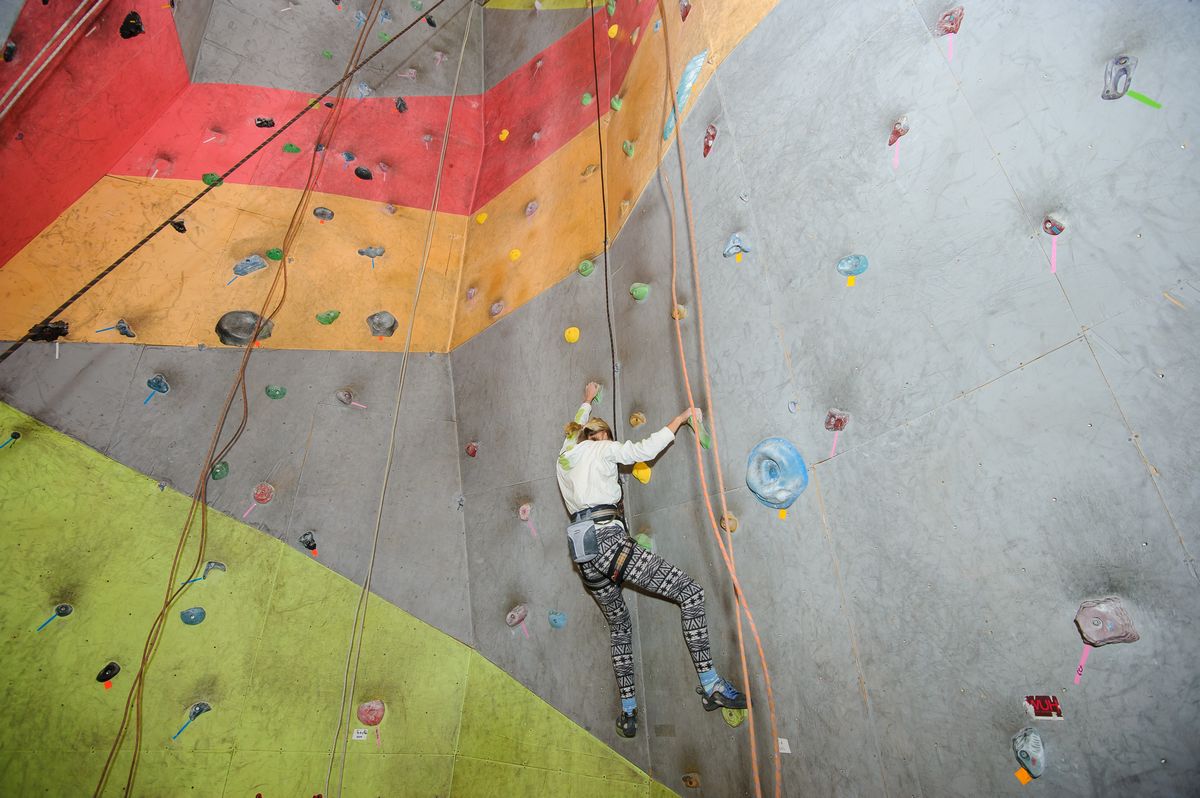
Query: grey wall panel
(191, 21)
(513, 37)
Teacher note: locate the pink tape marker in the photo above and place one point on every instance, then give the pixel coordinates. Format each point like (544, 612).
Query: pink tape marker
(834, 448)
(1054, 255)
(356, 404)
(896, 155)
(532, 528)
(525, 630)
(1082, 661)
(248, 509)
(950, 47)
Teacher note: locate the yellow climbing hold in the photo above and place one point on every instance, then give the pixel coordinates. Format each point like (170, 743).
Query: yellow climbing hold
(571, 335)
(637, 418)
(514, 254)
(641, 472)
(734, 717)
(504, 134)
(480, 218)
(612, 32)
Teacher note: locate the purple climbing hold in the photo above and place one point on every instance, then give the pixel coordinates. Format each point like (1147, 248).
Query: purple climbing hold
(531, 208)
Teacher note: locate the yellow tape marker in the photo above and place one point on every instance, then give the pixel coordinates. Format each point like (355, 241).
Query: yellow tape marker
(783, 513)
(850, 281)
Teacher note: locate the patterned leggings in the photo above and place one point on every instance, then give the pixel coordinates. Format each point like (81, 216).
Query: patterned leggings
(655, 576)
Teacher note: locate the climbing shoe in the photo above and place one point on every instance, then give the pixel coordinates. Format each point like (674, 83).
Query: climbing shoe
(627, 724)
(723, 696)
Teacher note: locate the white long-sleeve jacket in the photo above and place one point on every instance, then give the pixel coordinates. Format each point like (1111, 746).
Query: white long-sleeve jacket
(587, 471)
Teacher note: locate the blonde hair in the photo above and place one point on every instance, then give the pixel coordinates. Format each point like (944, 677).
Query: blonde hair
(580, 431)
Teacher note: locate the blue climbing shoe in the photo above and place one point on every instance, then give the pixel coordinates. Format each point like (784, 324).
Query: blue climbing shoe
(723, 696)
(627, 724)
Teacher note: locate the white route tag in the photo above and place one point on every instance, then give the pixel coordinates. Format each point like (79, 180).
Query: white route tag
(784, 748)
(360, 734)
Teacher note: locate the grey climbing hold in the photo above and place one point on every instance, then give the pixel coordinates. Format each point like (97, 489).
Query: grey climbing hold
(124, 329)
(324, 214)
(1027, 745)
(496, 309)
(213, 565)
(516, 615)
(309, 541)
(158, 383)
(193, 616)
(1105, 621)
(382, 323)
(198, 709)
(249, 265)
(371, 252)
(735, 246)
(236, 328)
(345, 396)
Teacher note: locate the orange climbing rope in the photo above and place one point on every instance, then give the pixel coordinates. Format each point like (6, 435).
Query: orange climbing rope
(726, 545)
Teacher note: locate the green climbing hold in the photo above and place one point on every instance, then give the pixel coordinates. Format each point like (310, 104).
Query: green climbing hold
(275, 253)
(611, 7)
(586, 267)
(417, 5)
(220, 470)
(701, 432)
(628, 147)
(289, 147)
(328, 317)
(212, 179)
(586, 99)
(639, 291)
(383, 37)
(615, 102)
(645, 541)
(734, 717)
(327, 54)
(276, 391)
(598, 399)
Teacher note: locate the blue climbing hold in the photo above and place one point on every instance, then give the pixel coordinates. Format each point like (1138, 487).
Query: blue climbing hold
(776, 473)
(192, 616)
(249, 265)
(735, 246)
(558, 619)
(852, 265)
(158, 383)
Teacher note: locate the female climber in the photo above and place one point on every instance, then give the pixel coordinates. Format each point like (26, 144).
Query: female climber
(599, 543)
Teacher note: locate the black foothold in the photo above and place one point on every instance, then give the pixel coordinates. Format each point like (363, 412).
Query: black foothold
(179, 225)
(329, 104)
(16, 436)
(63, 610)
(308, 541)
(320, 147)
(363, 173)
(132, 25)
(108, 672)
(49, 332)
(429, 19)
(264, 121)
(401, 106)
(10, 51)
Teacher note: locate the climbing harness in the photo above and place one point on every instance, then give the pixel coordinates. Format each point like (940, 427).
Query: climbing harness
(582, 542)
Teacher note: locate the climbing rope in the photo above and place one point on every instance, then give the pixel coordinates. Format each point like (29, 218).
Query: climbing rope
(358, 631)
(724, 545)
(338, 87)
(199, 504)
(21, 84)
(612, 346)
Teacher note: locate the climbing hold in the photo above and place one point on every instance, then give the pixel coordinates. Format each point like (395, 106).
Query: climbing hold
(503, 135)
(686, 82)
(728, 523)
(348, 157)
(401, 106)
(641, 472)
(611, 7)
(363, 173)
(1105, 621)
(371, 712)
(345, 396)
(382, 323)
(439, 58)
(586, 99)
(950, 21)
(531, 208)
(852, 265)
(615, 103)
(588, 170)
(679, 313)
(792, 407)
(276, 391)
(212, 179)
(327, 54)
(471, 293)
(836, 420)
(472, 449)
(107, 673)
(571, 335)
(710, 135)
(612, 31)
(49, 332)
(308, 540)
(63, 610)
(328, 316)
(625, 205)
(220, 470)
(899, 128)
(639, 291)
(10, 51)
(733, 717)
(360, 19)
(289, 147)
(1053, 226)
(497, 308)
(697, 425)
(1027, 745)
(132, 25)
(236, 328)
(586, 267)
(480, 218)
(158, 383)
(389, 209)
(275, 253)
(249, 265)
(535, 136)
(633, 37)
(264, 121)
(1118, 75)
(429, 21)
(637, 418)
(558, 620)
(372, 253)
(776, 473)
(198, 709)
(264, 492)
(516, 615)
(627, 146)
(691, 780)
(193, 616)
(644, 540)
(124, 329)
(324, 214)
(735, 247)
(524, 511)
(417, 5)
(179, 225)
(514, 254)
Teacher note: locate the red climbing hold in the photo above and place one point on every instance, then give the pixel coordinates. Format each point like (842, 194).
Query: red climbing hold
(710, 135)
